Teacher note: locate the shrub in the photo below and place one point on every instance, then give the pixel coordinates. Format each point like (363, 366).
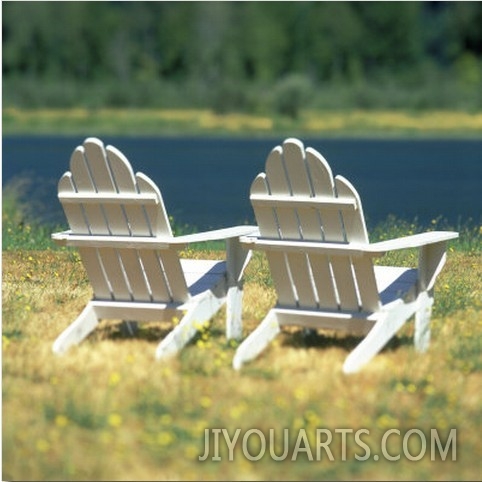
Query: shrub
(291, 94)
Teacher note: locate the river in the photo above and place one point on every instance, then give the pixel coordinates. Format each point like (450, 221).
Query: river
(205, 181)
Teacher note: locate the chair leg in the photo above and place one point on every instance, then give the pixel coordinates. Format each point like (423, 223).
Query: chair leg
(383, 330)
(237, 258)
(129, 328)
(77, 331)
(202, 311)
(257, 341)
(422, 321)
(234, 304)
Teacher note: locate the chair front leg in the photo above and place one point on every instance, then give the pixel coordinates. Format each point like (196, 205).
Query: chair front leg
(202, 309)
(431, 260)
(237, 258)
(234, 305)
(77, 331)
(257, 341)
(422, 321)
(389, 322)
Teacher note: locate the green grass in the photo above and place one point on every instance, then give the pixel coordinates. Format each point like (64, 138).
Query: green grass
(162, 122)
(107, 410)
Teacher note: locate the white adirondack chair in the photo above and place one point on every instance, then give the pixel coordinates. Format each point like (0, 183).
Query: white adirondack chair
(119, 225)
(313, 231)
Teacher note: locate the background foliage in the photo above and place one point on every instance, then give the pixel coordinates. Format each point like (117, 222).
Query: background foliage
(243, 56)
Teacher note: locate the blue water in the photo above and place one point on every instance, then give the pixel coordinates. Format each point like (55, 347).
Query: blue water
(205, 181)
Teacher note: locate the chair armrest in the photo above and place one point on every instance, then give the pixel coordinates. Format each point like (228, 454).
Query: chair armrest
(61, 238)
(315, 247)
(413, 241)
(67, 238)
(216, 234)
(432, 253)
(350, 249)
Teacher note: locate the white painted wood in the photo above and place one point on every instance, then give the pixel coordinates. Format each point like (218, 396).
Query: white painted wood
(94, 214)
(203, 275)
(119, 224)
(413, 241)
(96, 274)
(230, 234)
(126, 187)
(265, 215)
(345, 283)
(77, 331)
(353, 219)
(366, 284)
(347, 321)
(422, 322)
(257, 341)
(324, 187)
(311, 247)
(307, 203)
(102, 182)
(303, 280)
(176, 280)
(432, 258)
(313, 230)
(301, 190)
(135, 274)
(73, 212)
(267, 218)
(115, 274)
(237, 259)
(323, 280)
(155, 276)
(278, 185)
(108, 198)
(281, 274)
(156, 216)
(395, 282)
(234, 306)
(191, 322)
(390, 320)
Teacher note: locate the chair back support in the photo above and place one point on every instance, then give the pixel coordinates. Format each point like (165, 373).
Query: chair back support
(101, 195)
(297, 199)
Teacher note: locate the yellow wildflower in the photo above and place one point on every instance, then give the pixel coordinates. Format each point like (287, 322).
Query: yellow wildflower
(114, 420)
(165, 438)
(61, 421)
(114, 379)
(42, 445)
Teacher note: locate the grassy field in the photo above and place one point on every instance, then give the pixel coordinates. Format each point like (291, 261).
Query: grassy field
(192, 122)
(108, 411)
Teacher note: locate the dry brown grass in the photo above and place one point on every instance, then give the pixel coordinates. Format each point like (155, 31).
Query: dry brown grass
(107, 410)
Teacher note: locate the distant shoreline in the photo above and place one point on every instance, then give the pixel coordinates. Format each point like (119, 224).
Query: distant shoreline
(175, 122)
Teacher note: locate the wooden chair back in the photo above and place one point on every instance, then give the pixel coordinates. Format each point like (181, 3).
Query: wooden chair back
(101, 196)
(298, 199)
